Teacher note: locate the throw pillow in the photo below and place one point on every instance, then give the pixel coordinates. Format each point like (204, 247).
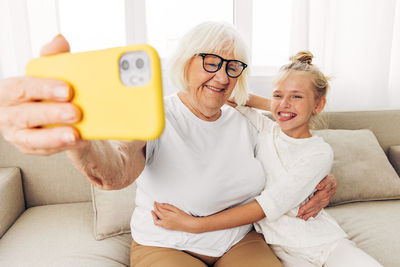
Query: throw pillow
(113, 211)
(360, 166)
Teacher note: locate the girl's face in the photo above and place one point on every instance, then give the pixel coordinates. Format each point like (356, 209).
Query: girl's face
(207, 91)
(293, 103)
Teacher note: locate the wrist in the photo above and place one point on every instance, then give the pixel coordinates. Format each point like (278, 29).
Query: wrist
(197, 226)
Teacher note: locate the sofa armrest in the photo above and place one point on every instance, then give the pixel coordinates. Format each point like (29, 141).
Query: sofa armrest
(12, 202)
(394, 157)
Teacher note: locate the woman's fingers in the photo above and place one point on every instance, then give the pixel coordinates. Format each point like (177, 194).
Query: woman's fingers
(23, 89)
(58, 45)
(312, 207)
(325, 190)
(158, 211)
(18, 124)
(329, 183)
(168, 207)
(18, 90)
(156, 220)
(45, 141)
(34, 114)
(28, 103)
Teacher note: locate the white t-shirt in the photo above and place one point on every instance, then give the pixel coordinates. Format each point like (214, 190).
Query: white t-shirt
(297, 166)
(202, 168)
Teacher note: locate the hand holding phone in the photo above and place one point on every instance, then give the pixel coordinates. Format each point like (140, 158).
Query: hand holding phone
(27, 103)
(119, 90)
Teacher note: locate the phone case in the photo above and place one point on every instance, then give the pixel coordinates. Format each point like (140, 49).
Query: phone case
(110, 110)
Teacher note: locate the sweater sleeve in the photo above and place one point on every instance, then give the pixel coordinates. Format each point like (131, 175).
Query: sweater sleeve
(295, 185)
(258, 120)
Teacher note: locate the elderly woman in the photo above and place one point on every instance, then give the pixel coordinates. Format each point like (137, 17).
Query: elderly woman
(203, 162)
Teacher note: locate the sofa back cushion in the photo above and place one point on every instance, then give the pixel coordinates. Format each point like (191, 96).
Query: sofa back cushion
(360, 166)
(46, 180)
(383, 123)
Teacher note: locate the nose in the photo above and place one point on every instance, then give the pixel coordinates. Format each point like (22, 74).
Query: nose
(221, 76)
(285, 103)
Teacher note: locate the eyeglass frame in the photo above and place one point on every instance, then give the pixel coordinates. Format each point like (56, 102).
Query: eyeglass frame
(203, 55)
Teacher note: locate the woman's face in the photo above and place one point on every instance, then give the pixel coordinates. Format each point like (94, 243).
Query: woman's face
(208, 92)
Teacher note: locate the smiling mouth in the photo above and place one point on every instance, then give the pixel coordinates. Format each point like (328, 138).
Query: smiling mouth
(284, 116)
(212, 88)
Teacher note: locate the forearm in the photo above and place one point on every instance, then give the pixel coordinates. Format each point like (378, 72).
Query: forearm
(237, 216)
(110, 165)
(259, 102)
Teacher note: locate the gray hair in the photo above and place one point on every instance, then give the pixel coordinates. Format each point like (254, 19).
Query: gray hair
(210, 37)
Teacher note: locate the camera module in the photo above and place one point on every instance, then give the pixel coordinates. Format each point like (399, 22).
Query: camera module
(135, 68)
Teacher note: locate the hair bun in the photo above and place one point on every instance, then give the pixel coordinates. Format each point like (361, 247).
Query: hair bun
(303, 57)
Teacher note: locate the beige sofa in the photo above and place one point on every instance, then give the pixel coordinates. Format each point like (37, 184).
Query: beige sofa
(47, 216)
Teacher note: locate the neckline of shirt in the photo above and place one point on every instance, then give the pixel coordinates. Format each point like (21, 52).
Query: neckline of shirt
(196, 119)
(292, 139)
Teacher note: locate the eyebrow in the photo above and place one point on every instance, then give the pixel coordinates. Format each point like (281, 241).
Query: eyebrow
(295, 91)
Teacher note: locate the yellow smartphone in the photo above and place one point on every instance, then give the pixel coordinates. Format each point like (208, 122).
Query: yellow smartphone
(119, 90)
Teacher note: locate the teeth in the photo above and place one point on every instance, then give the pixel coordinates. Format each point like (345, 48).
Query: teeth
(214, 89)
(284, 114)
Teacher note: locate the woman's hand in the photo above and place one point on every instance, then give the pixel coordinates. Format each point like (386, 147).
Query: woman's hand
(22, 112)
(325, 191)
(172, 218)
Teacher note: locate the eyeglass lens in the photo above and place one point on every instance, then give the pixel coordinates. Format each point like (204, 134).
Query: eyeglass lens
(213, 63)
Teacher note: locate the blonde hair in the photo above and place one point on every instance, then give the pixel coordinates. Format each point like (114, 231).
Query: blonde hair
(302, 62)
(210, 37)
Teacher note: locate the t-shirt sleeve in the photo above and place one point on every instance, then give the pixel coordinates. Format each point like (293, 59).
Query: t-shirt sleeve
(151, 148)
(258, 120)
(296, 184)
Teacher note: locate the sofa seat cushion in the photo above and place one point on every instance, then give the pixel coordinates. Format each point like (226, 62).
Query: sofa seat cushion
(374, 226)
(61, 235)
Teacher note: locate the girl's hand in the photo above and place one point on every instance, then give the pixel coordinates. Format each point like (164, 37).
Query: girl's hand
(170, 217)
(231, 103)
(325, 191)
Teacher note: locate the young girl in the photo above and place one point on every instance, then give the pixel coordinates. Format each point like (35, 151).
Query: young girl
(294, 162)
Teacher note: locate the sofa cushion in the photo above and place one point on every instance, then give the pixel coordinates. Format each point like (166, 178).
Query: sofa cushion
(61, 235)
(11, 197)
(374, 226)
(46, 180)
(394, 156)
(113, 211)
(360, 166)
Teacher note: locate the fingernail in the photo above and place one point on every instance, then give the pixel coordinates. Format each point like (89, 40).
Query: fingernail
(68, 138)
(59, 35)
(68, 116)
(61, 92)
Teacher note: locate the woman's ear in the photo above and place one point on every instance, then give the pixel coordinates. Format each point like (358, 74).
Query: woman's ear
(319, 105)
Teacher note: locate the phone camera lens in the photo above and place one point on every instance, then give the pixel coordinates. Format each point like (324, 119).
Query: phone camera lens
(139, 63)
(125, 65)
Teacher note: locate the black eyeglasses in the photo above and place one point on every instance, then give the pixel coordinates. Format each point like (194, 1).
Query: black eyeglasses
(212, 63)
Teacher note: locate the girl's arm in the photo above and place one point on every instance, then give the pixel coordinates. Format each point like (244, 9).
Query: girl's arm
(254, 101)
(170, 217)
(259, 102)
